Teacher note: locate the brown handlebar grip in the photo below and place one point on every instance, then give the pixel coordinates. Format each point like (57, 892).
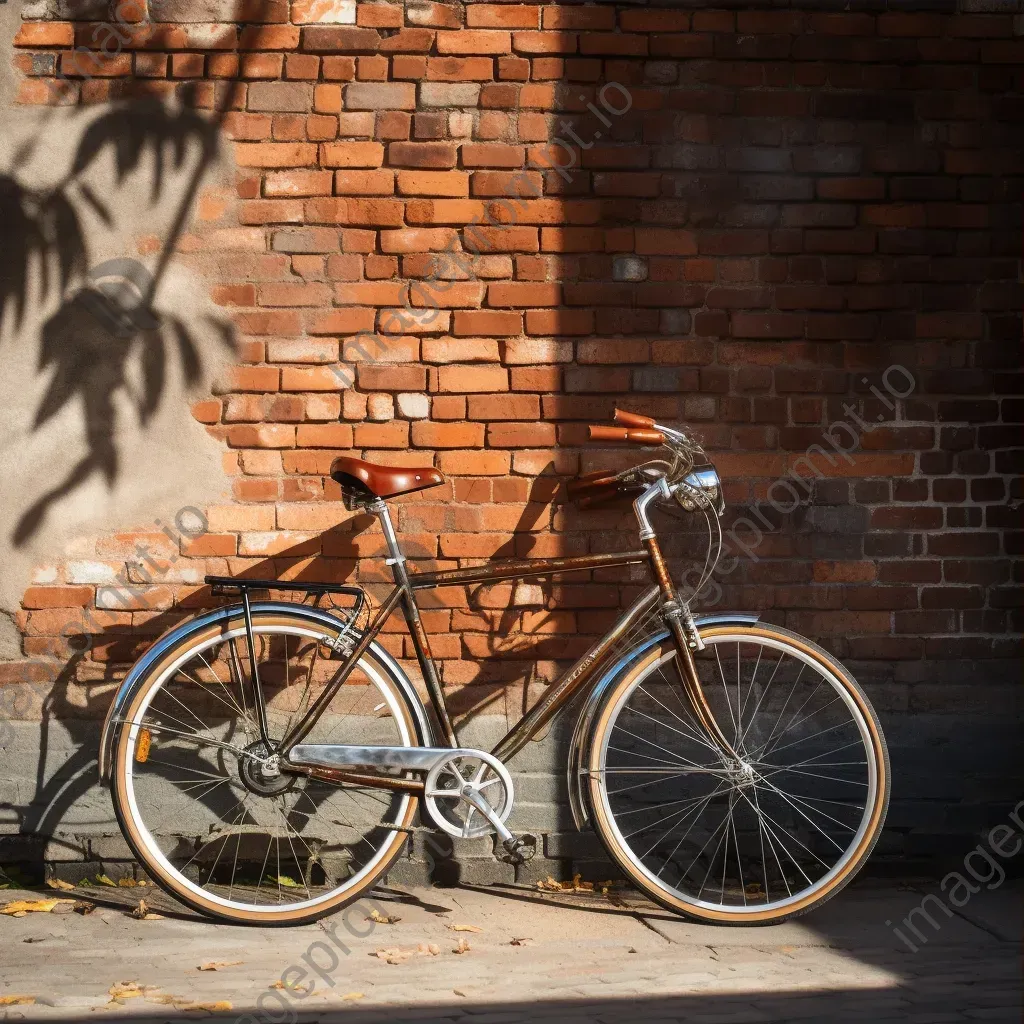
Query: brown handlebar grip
(629, 436)
(632, 419)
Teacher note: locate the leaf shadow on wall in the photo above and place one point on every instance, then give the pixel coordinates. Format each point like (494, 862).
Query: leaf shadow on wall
(106, 347)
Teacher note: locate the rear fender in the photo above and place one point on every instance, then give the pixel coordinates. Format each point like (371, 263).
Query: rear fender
(186, 630)
(579, 748)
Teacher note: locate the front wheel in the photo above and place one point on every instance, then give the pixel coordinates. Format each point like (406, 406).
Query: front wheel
(223, 828)
(756, 841)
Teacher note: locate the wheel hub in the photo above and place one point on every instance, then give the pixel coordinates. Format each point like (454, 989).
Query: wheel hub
(261, 773)
(743, 774)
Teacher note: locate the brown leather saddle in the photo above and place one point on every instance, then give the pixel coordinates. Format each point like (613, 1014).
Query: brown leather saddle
(369, 481)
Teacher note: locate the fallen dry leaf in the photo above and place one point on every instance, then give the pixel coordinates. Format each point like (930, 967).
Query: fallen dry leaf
(60, 884)
(576, 885)
(218, 1007)
(378, 918)
(464, 928)
(143, 913)
(19, 908)
(17, 1000)
(520, 942)
(299, 990)
(217, 965)
(83, 907)
(127, 883)
(106, 880)
(122, 990)
(396, 955)
(462, 947)
(350, 997)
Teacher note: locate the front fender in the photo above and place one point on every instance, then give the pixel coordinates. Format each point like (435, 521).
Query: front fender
(579, 745)
(188, 629)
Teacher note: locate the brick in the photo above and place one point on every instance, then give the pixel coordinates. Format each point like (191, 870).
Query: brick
(448, 435)
(268, 37)
(43, 34)
(520, 293)
(382, 15)
(275, 154)
(63, 597)
(340, 40)
(449, 94)
(279, 97)
(472, 379)
(460, 69)
(298, 183)
(264, 11)
(503, 16)
(559, 321)
(487, 322)
(422, 154)
(544, 42)
(471, 41)
(432, 183)
(438, 15)
(92, 64)
(351, 154)
(417, 240)
(521, 435)
(380, 96)
(482, 463)
(380, 182)
(323, 12)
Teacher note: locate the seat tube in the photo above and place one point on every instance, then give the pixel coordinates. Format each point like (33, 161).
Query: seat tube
(676, 619)
(421, 643)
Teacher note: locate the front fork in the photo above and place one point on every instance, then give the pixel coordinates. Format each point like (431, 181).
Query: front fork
(680, 622)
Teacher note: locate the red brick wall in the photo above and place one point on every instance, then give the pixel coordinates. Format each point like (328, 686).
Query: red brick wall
(794, 201)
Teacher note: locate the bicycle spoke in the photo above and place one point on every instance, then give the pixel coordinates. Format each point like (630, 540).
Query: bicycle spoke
(764, 693)
(725, 688)
(690, 732)
(792, 796)
(656, 722)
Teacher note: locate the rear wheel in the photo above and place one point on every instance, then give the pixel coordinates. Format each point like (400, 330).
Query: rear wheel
(760, 840)
(224, 828)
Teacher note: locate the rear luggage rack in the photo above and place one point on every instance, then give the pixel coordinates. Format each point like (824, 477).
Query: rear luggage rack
(224, 586)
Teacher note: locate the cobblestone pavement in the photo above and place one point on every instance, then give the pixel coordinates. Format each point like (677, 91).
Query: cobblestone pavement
(579, 958)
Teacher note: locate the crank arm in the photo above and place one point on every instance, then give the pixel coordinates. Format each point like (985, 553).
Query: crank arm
(474, 799)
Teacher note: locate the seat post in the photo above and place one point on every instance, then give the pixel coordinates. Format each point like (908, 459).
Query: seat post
(396, 559)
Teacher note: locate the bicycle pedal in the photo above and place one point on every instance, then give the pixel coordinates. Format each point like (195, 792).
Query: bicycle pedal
(519, 849)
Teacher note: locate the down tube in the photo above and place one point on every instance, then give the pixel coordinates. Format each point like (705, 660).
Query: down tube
(562, 691)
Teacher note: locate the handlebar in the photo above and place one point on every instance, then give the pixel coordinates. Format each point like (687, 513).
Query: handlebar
(632, 419)
(628, 434)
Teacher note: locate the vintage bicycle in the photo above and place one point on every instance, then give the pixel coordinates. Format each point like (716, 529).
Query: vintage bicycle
(268, 760)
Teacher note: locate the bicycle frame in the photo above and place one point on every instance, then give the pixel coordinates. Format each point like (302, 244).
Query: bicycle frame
(562, 691)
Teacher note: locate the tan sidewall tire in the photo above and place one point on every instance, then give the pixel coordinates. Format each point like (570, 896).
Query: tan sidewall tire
(168, 882)
(625, 860)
